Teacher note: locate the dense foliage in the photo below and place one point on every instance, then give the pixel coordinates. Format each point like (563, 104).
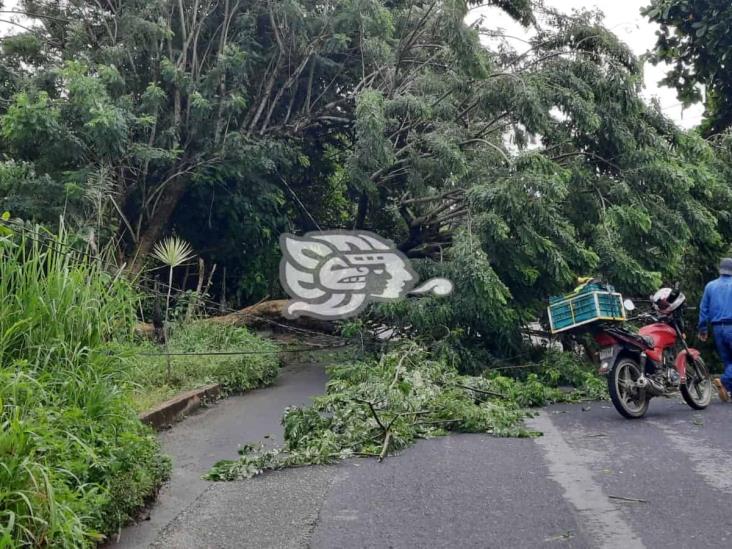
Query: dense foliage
(227, 122)
(511, 172)
(75, 462)
(695, 41)
(384, 115)
(374, 407)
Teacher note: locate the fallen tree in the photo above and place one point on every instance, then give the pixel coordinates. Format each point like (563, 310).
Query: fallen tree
(255, 315)
(378, 406)
(266, 314)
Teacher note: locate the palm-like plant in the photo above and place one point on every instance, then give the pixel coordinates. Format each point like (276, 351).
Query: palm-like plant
(173, 252)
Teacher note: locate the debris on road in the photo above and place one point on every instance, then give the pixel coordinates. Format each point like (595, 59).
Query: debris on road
(629, 500)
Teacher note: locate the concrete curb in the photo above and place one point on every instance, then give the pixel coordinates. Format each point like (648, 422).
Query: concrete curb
(173, 410)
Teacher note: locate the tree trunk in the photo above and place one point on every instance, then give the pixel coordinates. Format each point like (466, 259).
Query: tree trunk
(267, 314)
(363, 206)
(158, 224)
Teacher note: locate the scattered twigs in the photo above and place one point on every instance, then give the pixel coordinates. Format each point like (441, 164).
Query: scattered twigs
(385, 447)
(476, 390)
(630, 500)
(480, 391)
(373, 411)
(438, 422)
(416, 413)
(386, 428)
(398, 370)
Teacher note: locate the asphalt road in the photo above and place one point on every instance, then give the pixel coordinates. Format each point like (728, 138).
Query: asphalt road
(593, 480)
(214, 434)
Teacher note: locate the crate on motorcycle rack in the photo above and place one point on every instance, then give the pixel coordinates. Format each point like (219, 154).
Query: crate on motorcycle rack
(584, 308)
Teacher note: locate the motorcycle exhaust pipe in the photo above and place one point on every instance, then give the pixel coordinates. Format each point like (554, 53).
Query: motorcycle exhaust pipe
(646, 384)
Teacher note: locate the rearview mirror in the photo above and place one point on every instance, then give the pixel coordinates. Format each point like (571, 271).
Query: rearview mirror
(629, 305)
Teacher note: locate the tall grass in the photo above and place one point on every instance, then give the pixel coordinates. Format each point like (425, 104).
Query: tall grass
(57, 303)
(75, 462)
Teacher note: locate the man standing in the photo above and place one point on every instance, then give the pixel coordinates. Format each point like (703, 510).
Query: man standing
(716, 309)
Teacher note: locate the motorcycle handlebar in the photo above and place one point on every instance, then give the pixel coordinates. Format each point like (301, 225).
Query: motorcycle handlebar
(645, 316)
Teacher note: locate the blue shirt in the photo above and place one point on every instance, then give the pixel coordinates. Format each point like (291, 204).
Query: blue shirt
(716, 305)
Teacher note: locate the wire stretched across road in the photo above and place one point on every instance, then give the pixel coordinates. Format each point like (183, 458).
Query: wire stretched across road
(310, 349)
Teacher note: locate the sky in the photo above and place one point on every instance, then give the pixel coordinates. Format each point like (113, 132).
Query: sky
(624, 19)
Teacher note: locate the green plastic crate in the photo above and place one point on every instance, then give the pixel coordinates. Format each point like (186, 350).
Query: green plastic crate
(585, 308)
(586, 289)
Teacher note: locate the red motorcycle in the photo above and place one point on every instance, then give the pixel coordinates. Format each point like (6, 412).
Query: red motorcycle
(656, 361)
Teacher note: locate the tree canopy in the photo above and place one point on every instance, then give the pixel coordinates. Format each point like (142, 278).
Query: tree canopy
(228, 122)
(695, 41)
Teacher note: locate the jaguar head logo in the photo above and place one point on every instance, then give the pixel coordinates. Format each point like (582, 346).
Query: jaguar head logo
(335, 274)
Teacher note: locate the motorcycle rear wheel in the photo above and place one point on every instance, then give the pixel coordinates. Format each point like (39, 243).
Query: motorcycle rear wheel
(697, 391)
(630, 401)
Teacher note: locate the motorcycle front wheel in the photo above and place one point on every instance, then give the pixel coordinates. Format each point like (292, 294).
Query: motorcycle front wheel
(628, 399)
(697, 391)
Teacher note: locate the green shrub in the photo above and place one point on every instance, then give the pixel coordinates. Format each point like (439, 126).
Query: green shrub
(36, 504)
(75, 462)
(235, 372)
(559, 368)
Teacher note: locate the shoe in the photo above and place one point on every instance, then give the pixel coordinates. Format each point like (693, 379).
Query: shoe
(722, 390)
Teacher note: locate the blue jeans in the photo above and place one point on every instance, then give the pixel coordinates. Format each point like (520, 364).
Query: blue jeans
(723, 340)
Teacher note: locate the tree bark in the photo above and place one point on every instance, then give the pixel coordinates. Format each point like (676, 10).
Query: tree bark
(253, 315)
(363, 206)
(158, 223)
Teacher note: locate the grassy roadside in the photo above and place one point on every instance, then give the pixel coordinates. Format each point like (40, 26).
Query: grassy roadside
(154, 379)
(76, 463)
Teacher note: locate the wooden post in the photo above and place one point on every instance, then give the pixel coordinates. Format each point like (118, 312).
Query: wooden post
(222, 303)
(193, 303)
